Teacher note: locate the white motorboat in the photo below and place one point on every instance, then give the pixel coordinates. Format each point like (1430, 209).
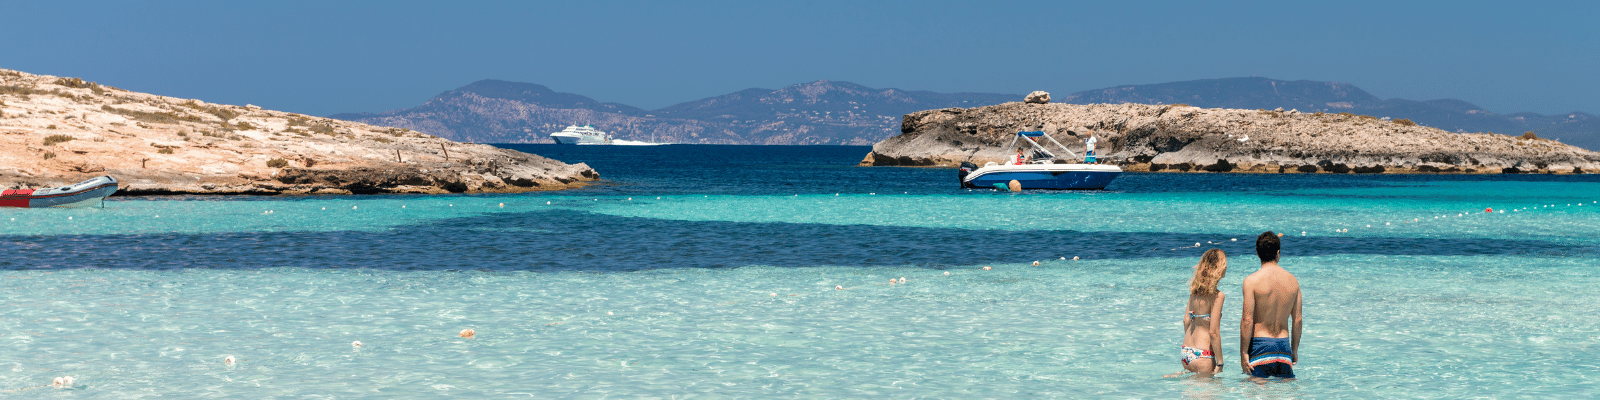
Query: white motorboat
(1044, 171)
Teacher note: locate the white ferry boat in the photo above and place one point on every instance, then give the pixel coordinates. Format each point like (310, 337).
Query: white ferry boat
(586, 134)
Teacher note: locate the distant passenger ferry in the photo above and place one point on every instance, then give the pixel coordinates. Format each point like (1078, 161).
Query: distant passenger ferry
(586, 134)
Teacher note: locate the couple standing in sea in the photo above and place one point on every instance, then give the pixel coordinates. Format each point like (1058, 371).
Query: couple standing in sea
(1269, 331)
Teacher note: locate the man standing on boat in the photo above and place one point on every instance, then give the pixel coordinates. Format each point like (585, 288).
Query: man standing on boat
(1088, 148)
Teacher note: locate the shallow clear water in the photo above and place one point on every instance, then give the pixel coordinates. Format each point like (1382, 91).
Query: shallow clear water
(724, 286)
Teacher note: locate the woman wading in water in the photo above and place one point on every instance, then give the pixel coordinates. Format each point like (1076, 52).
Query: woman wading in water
(1202, 339)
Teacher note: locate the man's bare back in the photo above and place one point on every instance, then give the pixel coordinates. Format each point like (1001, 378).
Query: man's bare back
(1269, 330)
(1275, 294)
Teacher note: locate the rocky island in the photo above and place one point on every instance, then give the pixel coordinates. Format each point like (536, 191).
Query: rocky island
(1181, 138)
(56, 131)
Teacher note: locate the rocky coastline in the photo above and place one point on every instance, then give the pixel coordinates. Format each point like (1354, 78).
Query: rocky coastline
(1181, 138)
(56, 131)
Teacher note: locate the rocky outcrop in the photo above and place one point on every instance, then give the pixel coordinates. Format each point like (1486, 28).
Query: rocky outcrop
(1037, 97)
(56, 131)
(1189, 139)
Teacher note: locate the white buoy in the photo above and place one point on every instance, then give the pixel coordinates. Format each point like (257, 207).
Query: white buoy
(986, 268)
(1074, 258)
(229, 361)
(1233, 240)
(609, 313)
(1196, 244)
(69, 217)
(630, 199)
(902, 279)
(892, 281)
(947, 273)
(872, 194)
(452, 204)
(468, 333)
(62, 382)
(356, 344)
(353, 207)
(1302, 233)
(547, 202)
(774, 294)
(1035, 263)
(658, 197)
(1063, 258)
(402, 206)
(502, 205)
(837, 287)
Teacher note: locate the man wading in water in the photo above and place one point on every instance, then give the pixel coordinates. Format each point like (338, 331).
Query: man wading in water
(1271, 299)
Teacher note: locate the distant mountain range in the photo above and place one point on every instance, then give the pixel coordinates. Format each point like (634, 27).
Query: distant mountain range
(821, 112)
(843, 113)
(1576, 128)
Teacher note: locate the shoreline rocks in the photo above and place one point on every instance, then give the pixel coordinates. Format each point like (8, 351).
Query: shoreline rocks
(57, 131)
(1180, 138)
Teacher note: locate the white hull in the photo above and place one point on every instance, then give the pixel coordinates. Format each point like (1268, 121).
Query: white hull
(581, 135)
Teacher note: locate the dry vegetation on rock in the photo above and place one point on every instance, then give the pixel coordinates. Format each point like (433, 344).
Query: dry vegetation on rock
(1183, 138)
(55, 131)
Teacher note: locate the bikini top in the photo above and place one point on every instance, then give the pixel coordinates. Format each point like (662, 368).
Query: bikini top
(1193, 315)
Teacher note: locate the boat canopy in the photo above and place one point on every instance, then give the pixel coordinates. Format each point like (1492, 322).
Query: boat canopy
(1035, 145)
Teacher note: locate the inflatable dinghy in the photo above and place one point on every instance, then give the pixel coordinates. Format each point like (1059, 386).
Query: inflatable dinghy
(84, 193)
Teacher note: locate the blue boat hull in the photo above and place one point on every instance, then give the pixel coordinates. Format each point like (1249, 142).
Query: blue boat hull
(1049, 179)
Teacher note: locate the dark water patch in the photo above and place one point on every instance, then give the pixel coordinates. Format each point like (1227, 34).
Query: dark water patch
(575, 240)
(768, 170)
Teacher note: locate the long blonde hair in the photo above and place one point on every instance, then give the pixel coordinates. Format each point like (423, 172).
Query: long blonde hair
(1212, 267)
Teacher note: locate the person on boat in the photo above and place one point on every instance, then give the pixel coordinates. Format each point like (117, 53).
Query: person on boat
(1017, 159)
(1269, 332)
(1088, 145)
(1202, 336)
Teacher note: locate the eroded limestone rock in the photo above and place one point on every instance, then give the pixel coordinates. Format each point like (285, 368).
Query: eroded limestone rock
(1189, 139)
(1037, 97)
(57, 131)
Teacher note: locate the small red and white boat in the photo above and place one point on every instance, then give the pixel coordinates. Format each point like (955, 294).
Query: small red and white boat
(81, 194)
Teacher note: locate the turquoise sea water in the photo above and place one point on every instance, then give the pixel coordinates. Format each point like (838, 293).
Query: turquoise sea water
(716, 278)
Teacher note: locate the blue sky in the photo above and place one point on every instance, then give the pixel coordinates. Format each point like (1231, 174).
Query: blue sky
(325, 57)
